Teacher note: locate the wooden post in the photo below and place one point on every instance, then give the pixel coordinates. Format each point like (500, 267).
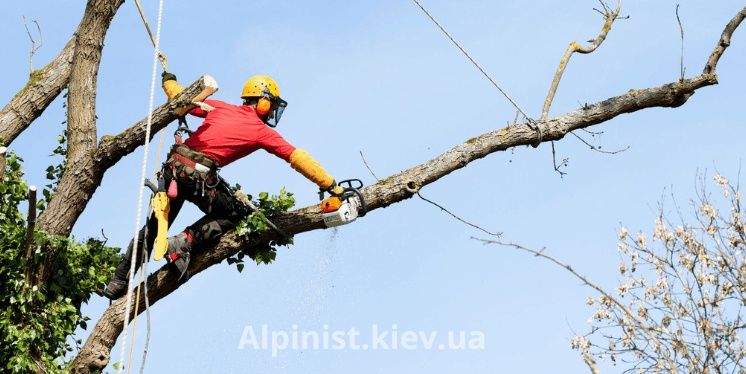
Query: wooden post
(30, 244)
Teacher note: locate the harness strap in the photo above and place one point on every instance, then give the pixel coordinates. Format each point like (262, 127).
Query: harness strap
(190, 163)
(182, 128)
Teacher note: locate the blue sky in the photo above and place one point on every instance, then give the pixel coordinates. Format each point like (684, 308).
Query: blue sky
(378, 77)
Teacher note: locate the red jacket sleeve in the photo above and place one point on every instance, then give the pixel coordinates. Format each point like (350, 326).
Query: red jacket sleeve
(272, 142)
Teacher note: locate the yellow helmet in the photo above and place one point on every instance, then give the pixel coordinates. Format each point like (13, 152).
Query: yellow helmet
(270, 106)
(257, 85)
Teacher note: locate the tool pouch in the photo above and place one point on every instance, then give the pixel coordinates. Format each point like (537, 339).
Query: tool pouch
(188, 165)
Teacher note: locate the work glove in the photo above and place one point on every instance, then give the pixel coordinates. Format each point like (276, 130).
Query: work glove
(335, 189)
(166, 76)
(170, 86)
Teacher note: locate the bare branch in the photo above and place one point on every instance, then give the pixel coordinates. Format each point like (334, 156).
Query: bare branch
(562, 164)
(598, 148)
(368, 166)
(609, 18)
(681, 30)
(724, 42)
(495, 234)
(34, 46)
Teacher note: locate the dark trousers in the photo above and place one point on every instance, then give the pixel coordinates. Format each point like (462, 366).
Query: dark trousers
(221, 210)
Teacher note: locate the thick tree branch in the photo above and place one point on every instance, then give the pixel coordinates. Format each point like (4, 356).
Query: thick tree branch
(41, 89)
(398, 187)
(46, 83)
(81, 118)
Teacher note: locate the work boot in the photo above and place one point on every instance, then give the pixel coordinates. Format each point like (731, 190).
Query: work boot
(117, 286)
(178, 250)
(115, 289)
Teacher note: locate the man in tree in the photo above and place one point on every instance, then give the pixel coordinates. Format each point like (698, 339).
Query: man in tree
(228, 133)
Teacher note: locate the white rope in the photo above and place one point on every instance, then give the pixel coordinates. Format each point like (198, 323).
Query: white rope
(135, 243)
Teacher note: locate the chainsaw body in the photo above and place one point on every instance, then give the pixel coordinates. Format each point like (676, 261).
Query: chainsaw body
(345, 208)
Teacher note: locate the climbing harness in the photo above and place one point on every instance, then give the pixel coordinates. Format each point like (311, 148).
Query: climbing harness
(532, 124)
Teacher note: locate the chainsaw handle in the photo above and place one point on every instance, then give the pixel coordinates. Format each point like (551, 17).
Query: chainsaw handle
(348, 184)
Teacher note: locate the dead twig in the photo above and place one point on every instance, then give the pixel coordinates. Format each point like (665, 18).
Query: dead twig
(34, 47)
(598, 148)
(609, 18)
(368, 166)
(495, 234)
(561, 164)
(681, 30)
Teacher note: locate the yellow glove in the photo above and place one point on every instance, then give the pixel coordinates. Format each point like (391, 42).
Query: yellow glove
(303, 163)
(336, 190)
(170, 86)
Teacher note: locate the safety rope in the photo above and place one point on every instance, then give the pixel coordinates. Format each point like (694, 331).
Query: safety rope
(161, 55)
(135, 243)
(530, 121)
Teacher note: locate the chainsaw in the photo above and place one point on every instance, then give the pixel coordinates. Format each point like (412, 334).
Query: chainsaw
(344, 208)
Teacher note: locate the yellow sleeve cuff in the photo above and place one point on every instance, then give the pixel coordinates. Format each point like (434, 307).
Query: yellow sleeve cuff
(303, 163)
(172, 88)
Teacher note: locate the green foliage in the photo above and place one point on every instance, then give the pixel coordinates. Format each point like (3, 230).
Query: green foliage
(39, 320)
(54, 172)
(254, 225)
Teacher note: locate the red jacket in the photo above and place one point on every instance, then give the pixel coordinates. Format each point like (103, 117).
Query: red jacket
(230, 132)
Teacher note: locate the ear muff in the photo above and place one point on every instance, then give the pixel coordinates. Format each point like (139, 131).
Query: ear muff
(263, 106)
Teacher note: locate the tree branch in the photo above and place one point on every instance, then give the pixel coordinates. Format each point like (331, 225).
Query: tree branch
(609, 18)
(46, 83)
(398, 187)
(724, 42)
(41, 89)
